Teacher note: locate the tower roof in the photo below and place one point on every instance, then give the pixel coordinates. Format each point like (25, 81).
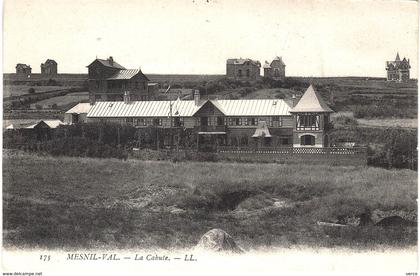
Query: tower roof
(397, 58)
(311, 101)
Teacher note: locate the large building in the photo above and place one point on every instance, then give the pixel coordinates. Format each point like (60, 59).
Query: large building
(23, 70)
(275, 70)
(398, 70)
(109, 81)
(49, 68)
(243, 69)
(272, 122)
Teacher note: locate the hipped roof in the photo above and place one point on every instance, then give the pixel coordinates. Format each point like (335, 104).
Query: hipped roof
(311, 101)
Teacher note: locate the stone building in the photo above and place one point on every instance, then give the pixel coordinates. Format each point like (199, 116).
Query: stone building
(398, 70)
(49, 67)
(243, 69)
(109, 81)
(275, 70)
(23, 70)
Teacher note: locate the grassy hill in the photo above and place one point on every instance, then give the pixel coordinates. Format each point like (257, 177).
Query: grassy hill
(86, 203)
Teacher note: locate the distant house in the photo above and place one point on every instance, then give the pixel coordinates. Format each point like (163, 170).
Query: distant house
(23, 70)
(77, 114)
(275, 70)
(49, 67)
(398, 70)
(243, 69)
(109, 81)
(48, 124)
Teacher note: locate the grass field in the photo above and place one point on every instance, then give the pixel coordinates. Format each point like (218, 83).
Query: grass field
(60, 101)
(86, 203)
(17, 90)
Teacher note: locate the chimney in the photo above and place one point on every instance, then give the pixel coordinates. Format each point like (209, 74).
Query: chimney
(126, 97)
(111, 61)
(197, 97)
(294, 100)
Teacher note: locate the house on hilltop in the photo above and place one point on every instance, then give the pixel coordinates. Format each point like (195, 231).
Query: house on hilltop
(275, 70)
(109, 81)
(398, 70)
(243, 69)
(23, 70)
(49, 68)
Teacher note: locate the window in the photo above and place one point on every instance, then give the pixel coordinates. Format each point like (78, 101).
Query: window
(308, 121)
(275, 121)
(220, 121)
(247, 73)
(129, 121)
(230, 121)
(178, 122)
(136, 84)
(239, 73)
(157, 122)
(307, 140)
(238, 121)
(140, 122)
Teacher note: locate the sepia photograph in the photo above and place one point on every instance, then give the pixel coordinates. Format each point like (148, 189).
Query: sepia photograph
(209, 136)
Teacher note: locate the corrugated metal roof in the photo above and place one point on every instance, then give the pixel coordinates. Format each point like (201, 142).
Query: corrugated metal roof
(125, 74)
(311, 101)
(80, 108)
(257, 107)
(142, 109)
(254, 107)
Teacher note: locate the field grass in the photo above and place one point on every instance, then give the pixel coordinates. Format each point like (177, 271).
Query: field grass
(61, 101)
(85, 203)
(377, 122)
(17, 90)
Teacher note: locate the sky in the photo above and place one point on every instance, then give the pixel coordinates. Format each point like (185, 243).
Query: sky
(314, 37)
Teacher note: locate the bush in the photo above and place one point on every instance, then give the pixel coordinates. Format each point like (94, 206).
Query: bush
(81, 147)
(344, 121)
(31, 90)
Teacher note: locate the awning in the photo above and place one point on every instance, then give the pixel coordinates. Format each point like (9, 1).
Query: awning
(212, 132)
(262, 130)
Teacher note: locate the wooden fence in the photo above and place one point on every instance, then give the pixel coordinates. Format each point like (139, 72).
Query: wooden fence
(333, 155)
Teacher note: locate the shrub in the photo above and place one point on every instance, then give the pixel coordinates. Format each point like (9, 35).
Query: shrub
(344, 121)
(31, 90)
